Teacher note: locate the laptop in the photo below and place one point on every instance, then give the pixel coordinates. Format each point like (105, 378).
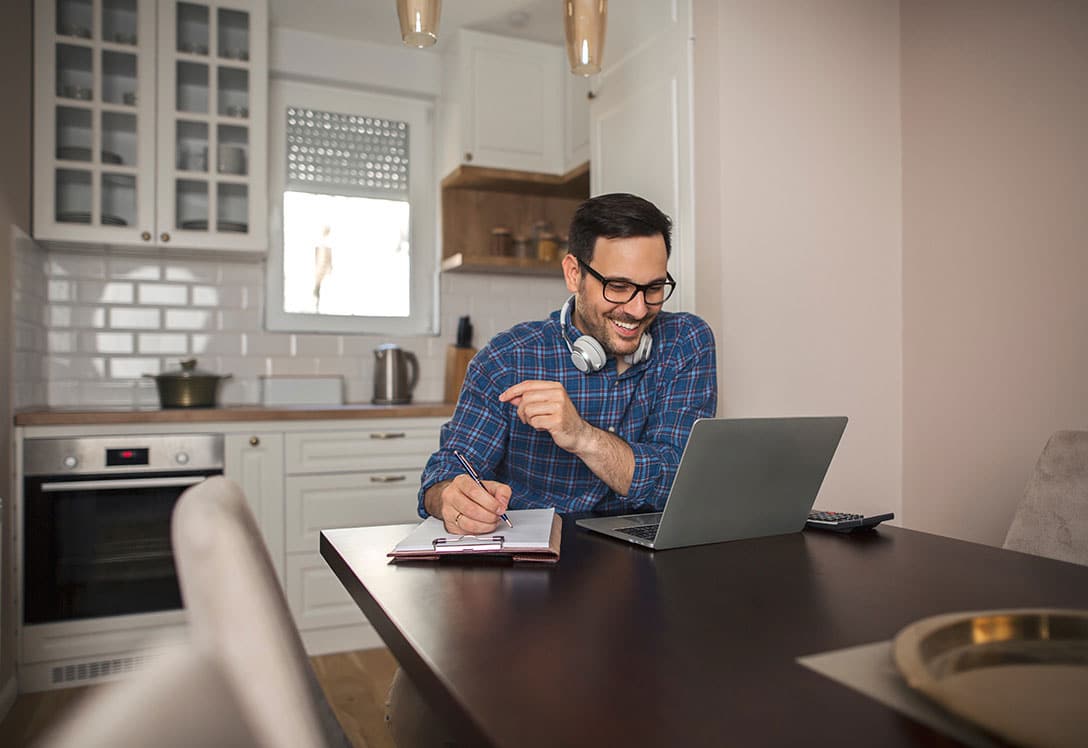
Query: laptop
(738, 478)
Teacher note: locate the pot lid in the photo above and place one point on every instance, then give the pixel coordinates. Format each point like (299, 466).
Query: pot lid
(188, 370)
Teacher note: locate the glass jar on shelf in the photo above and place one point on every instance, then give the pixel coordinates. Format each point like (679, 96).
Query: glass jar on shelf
(502, 242)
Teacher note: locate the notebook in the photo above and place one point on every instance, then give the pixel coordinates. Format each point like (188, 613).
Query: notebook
(738, 478)
(535, 536)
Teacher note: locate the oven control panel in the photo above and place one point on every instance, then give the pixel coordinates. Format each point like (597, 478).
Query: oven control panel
(122, 454)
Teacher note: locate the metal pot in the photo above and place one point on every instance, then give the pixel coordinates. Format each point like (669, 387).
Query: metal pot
(188, 387)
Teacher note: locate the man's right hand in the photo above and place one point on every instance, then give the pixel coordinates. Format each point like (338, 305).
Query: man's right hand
(465, 508)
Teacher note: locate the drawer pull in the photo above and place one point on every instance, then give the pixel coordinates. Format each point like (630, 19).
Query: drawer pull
(388, 435)
(387, 478)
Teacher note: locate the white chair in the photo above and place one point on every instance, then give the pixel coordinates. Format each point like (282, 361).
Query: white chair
(1052, 518)
(181, 699)
(238, 612)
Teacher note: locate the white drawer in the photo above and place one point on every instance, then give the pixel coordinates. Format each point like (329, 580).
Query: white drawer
(394, 445)
(315, 595)
(319, 502)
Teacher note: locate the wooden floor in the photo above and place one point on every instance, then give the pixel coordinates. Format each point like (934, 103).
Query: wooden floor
(355, 683)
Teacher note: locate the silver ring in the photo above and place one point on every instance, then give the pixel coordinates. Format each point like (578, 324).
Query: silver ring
(457, 519)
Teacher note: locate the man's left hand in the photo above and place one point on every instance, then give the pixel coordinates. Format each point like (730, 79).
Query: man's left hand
(546, 406)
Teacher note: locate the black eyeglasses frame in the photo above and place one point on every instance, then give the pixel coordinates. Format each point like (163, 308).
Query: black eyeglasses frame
(670, 284)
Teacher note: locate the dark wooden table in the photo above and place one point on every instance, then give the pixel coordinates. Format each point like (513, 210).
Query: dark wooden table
(616, 645)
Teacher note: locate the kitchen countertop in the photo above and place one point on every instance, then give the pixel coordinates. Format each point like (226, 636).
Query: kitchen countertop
(352, 411)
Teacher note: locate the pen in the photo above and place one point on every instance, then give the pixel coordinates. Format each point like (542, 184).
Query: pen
(475, 476)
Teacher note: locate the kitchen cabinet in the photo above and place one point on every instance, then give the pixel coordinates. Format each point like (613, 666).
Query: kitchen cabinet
(255, 462)
(345, 478)
(505, 104)
(150, 123)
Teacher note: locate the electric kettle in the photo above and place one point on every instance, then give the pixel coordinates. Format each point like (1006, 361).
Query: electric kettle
(396, 372)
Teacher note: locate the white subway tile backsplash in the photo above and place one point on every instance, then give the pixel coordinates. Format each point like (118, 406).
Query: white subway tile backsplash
(59, 290)
(59, 315)
(76, 266)
(266, 344)
(106, 342)
(206, 296)
(317, 345)
(191, 272)
(163, 343)
(61, 341)
(224, 343)
(292, 365)
(134, 368)
(237, 273)
(240, 319)
(189, 319)
(134, 269)
(140, 318)
(112, 292)
(153, 311)
(164, 294)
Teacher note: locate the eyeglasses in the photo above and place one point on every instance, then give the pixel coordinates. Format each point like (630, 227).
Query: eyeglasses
(618, 291)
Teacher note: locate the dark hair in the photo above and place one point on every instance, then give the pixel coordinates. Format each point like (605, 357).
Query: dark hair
(615, 216)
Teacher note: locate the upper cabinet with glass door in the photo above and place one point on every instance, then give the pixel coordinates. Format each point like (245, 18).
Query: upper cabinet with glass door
(149, 118)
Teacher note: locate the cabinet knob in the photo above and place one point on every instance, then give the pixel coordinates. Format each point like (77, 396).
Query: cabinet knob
(254, 441)
(146, 236)
(164, 236)
(468, 156)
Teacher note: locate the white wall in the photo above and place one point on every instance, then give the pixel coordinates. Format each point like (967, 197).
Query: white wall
(995, 272)
(797, 143)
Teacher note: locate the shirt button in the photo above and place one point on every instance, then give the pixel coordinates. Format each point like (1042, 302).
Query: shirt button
(612, 429)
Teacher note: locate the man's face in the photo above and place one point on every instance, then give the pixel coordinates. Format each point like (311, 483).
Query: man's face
(618, 327)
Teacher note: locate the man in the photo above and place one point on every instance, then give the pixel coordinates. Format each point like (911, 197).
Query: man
(591, 408)
(587, 410)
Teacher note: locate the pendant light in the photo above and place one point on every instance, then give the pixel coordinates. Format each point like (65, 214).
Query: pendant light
(419, 21)
(585, 23)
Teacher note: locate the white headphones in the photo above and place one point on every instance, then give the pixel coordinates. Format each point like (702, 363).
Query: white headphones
(587, 354)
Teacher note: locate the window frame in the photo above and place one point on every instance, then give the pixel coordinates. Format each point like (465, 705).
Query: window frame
(423, 316)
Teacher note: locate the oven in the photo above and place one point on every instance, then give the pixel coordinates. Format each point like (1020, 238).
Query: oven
(96, 522)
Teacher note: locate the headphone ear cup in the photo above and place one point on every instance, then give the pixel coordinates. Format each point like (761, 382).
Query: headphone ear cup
(588, 355)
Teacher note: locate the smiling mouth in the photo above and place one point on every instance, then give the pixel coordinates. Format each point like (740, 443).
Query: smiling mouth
(626, 329)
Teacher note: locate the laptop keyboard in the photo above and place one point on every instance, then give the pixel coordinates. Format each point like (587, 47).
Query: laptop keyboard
(645, 532)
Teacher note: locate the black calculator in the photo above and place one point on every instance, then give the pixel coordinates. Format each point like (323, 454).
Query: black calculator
(844, 521)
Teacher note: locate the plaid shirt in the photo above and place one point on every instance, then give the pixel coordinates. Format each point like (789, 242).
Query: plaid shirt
(652, 406)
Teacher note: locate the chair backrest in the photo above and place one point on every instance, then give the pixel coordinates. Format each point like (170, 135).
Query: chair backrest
(237, 611)
(1052, 518)
(181, 699)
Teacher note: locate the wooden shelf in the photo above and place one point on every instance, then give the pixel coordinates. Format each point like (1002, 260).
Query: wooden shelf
(462, 263)
(573, 184)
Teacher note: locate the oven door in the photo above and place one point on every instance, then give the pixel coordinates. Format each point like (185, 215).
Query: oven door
(99, 545)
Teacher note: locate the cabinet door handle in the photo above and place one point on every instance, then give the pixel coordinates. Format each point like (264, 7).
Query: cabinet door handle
(468, 156)
(388, 435)
(387, 478)
(254, 441)
(164, 236)
(146, 236)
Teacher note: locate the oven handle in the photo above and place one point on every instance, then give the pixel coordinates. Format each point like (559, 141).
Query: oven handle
(96, 485)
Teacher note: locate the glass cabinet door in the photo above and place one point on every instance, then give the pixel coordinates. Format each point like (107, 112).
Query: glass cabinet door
(94, 131)
(212, 76)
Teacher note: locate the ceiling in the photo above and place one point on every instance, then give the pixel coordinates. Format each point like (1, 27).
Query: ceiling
(376, 20)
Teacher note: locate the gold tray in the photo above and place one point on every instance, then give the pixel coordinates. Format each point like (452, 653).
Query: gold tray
(1020, 674)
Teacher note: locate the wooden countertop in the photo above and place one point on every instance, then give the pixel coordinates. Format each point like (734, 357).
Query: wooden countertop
(355, 411)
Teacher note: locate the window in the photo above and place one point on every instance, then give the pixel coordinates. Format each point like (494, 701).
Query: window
(353, 236)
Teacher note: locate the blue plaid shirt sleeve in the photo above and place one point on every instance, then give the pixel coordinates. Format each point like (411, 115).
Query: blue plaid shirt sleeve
(477, 429)
(691, 393)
